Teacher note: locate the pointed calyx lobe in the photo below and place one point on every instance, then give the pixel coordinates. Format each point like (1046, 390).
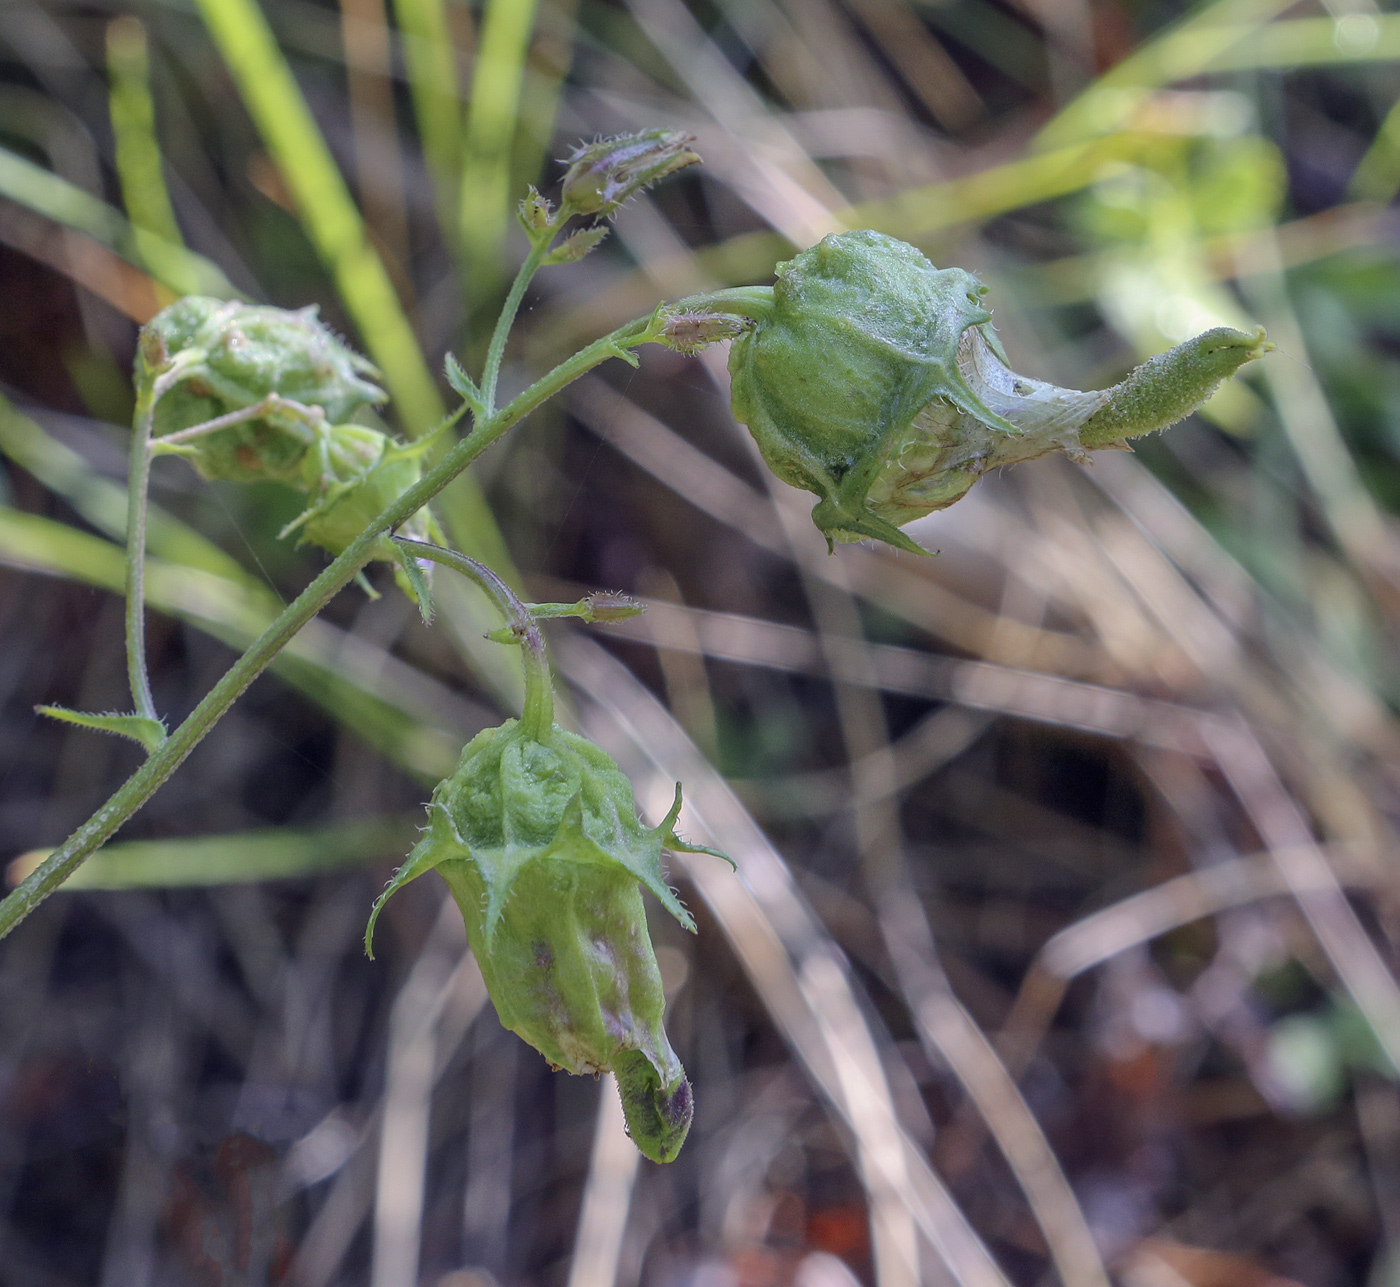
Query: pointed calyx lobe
(876, 381)
(539, 842)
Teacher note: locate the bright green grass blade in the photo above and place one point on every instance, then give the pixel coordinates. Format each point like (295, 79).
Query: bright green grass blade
(103, 502)
(133, 113)
(491, 128)
(336, 229)
(278, 854)
(181, 270)
(323, 201)
(432, 80)
(1233, 35)
(544, 83)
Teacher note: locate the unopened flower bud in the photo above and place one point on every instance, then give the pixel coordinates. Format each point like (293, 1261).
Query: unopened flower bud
(535, 211)
(602, 175)
(689, 330)
(539, 842)
(575, 247)
(876, 381)
(606, 606)
(237, 354)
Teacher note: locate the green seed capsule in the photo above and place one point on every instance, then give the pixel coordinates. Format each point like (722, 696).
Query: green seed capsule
(875, 380)
(238, 354)
(539, 842)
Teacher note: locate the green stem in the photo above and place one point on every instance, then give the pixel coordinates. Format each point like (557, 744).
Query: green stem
(142, 784)
(309, 416)
(754, 302)
(497, 350)
(538, 714)
(138, 485)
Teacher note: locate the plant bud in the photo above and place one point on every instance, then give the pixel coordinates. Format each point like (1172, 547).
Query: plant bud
(876, 381)
(539, 842)
(244, 353)
(534, 211)
(689, 330)
(608, 606)
(602, 175)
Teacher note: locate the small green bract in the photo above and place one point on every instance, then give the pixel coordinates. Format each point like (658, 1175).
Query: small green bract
(540, 844)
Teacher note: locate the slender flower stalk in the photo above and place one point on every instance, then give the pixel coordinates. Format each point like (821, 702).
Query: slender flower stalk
(148, 394)
(538, 714)
(144, 783)
(495, 353)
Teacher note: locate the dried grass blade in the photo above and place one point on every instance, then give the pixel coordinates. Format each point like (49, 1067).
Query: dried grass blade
(774, 934)
(1304, 865)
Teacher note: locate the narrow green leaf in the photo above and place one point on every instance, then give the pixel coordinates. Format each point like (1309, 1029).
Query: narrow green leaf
(462, 382)
(417, 580)
(432, 80)
(491, 124)
(183, 271)
(149, 732)
(133, 114)
(323, 201)
(280, 854)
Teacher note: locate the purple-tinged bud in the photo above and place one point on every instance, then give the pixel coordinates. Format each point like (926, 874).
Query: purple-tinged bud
(602, 175)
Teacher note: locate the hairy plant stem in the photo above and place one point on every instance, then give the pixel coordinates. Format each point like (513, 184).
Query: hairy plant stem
(148, 393)
(496, 352)
(142, 784)
(137, 487)
(538, 713)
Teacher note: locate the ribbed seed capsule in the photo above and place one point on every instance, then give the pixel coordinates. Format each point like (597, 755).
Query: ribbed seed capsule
(538, 839)
(875, 380)
(237, 355)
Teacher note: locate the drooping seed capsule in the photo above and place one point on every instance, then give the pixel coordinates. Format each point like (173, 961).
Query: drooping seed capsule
(235, 356)
(875, 380)
(539, 842)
